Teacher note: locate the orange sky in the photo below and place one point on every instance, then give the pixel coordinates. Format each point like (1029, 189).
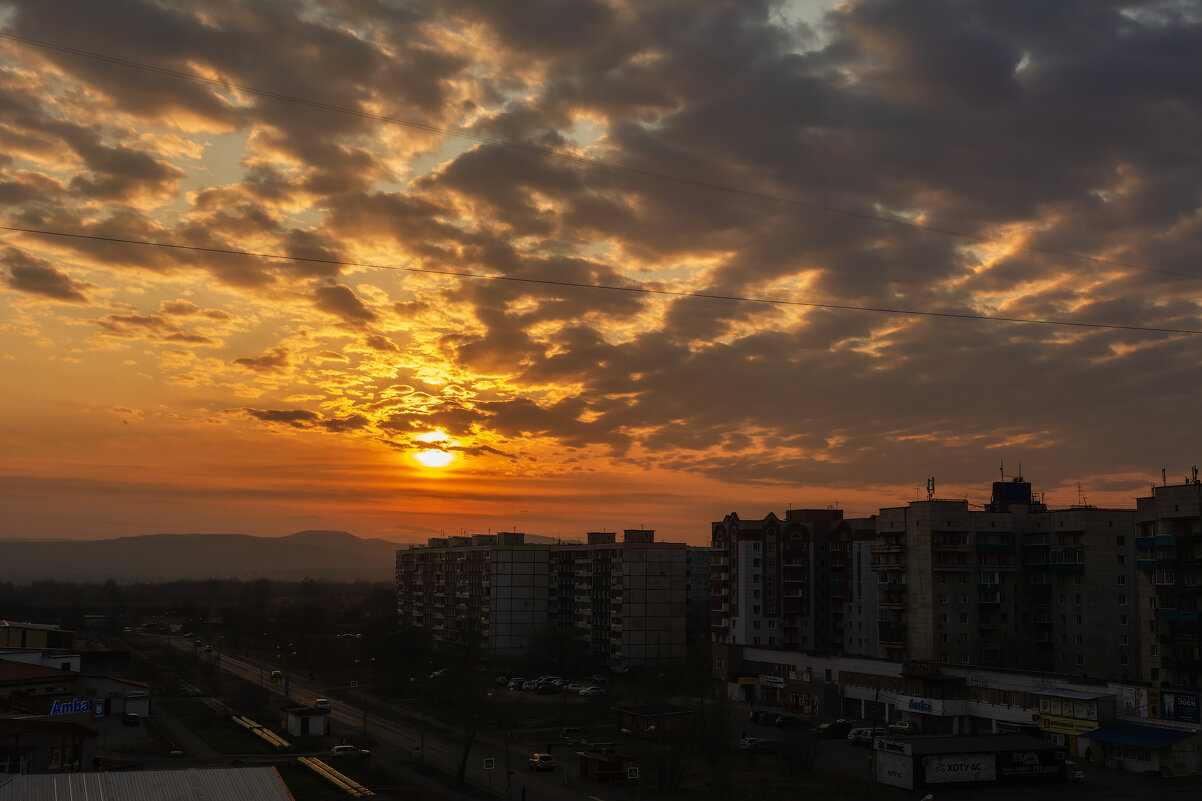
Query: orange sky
(164, 390)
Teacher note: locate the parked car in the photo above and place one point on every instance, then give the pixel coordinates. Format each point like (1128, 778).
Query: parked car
(758, 715)
(835, 728)
(131, 719)
(530, 685)
(516, 683)
(574, 688)
(1073, 771)
(321, 703)
(547, 689)
(349, 752)
(786, 721)
(541, 762)
(438, 674)
(593, 691)
(903, 727)
(863, 735)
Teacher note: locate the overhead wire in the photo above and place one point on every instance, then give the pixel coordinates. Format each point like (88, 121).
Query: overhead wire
(637, 289)
(592, 162)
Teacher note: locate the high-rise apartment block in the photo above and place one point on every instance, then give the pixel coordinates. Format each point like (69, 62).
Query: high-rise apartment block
(486, 590)
(795, 584)
(1169, 568)
(622, 602)
(1013, 585)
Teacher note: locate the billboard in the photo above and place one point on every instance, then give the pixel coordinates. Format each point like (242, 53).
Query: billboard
(895, 769)
(1179, 706)
(942, 769)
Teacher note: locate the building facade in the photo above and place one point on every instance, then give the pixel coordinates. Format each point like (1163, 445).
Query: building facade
(486, 591)
(1013, 585)
(1169, 574)
(801, 583)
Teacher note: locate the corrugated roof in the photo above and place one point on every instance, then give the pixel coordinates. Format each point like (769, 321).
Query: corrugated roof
(205, 784)
(1076, 695)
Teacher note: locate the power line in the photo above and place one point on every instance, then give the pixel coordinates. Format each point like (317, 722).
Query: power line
(644, 290)
(599, 163)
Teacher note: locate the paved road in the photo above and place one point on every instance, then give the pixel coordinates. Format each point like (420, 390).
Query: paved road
(398, 730)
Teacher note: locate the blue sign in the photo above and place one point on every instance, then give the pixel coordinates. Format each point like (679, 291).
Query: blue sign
(70, 707)
(1179, 706)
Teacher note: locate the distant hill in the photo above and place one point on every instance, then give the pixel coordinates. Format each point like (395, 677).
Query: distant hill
(334, 555)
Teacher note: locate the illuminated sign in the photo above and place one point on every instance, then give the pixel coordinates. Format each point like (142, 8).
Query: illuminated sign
(70, 707)
(1062, 725)
(960, 768)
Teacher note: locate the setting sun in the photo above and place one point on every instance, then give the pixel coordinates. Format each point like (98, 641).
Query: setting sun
(435, 456)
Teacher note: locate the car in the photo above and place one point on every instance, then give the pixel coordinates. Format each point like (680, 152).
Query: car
(516, 683)
(541, 762)
(131, 719)
(863, 735)
(1073, 771)
(321, 703)
(438, 674)
(903, 727)
(349, 752)
(208, 648)
(592, 691)
(530, 685)
(786, 721)
(574, 688)
(758, 715)
(835, 728)
(547, 689)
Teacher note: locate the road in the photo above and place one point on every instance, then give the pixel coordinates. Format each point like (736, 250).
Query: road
(397, 738)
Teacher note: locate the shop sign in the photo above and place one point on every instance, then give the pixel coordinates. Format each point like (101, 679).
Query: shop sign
(1029, 764)
(752, 680)
(70, 707)
(895, 769)
(960, 768)
(893, 746)
(1179, 706)
(915, 704)
(1062, 725)
(772, 681)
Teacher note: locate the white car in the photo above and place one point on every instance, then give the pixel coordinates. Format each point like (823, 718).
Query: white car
(593, 691)
(349, 751)
(530, 685)
(574, 688)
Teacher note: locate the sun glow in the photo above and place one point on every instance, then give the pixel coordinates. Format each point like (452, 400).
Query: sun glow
(435, 456)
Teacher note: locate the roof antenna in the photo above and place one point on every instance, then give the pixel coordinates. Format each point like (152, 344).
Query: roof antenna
(1164, 482)
(931, 488)
(1001, 468)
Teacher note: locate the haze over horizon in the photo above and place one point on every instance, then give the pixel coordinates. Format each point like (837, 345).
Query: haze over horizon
(587, 264)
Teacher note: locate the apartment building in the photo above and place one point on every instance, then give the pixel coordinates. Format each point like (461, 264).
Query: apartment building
(1012, 585)
(697, 595)
(794, 584)
(1169, 575)
(623, 602)
(487, 590)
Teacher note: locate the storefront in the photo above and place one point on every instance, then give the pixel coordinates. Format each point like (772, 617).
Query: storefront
(1065, 715)
(1137, 748)
(930, 762)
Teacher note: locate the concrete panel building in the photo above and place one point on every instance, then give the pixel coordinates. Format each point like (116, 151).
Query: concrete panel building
(1169, 583)
(487, 591)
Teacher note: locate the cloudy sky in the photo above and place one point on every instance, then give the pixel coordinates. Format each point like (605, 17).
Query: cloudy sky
(446, 263)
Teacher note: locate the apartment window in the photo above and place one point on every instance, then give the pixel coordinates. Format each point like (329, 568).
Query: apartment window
(943, 617)
(1078, 620)
(755, 610)
(1079, 639)
(943, 637)
(963, 617)
(941, 598)
(1063, 619)
(963, 598)
(755, 593)
(755, 640)
(1155, 649)
(1122, 620)
(1080, 659)
(1122, 600)
(1063, 598)
(771, 624)
(964, 657)
(1123, 658)
(1077, 600)
(963, 576)
(1122, 639)
(755, 546)
(755, 624)
(1122, 580)
(756, 578)
(943, 578)
(1154, 674)
(1122, 560)
(1120, 541)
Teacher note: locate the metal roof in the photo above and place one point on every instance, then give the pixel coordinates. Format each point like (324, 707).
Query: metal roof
(205, 784)
(1076, 695)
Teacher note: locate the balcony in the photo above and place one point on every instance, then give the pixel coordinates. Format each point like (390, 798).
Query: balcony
(956, 567)
(951, 547)
(1159, 541)
(988, 606)
(995, 547)
(1179, 615)
(1146, 564)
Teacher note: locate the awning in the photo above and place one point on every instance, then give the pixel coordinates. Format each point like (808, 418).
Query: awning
(1153, 737)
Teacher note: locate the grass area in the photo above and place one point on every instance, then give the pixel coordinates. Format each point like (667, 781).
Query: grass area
(218, 731)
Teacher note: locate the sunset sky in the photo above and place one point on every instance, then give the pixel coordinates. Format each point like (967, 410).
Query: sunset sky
(992, 158)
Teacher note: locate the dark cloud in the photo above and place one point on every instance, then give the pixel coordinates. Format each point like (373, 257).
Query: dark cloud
(295, 418)
(275, 360)
(26, 273)
(153, 327)
(341, 301)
